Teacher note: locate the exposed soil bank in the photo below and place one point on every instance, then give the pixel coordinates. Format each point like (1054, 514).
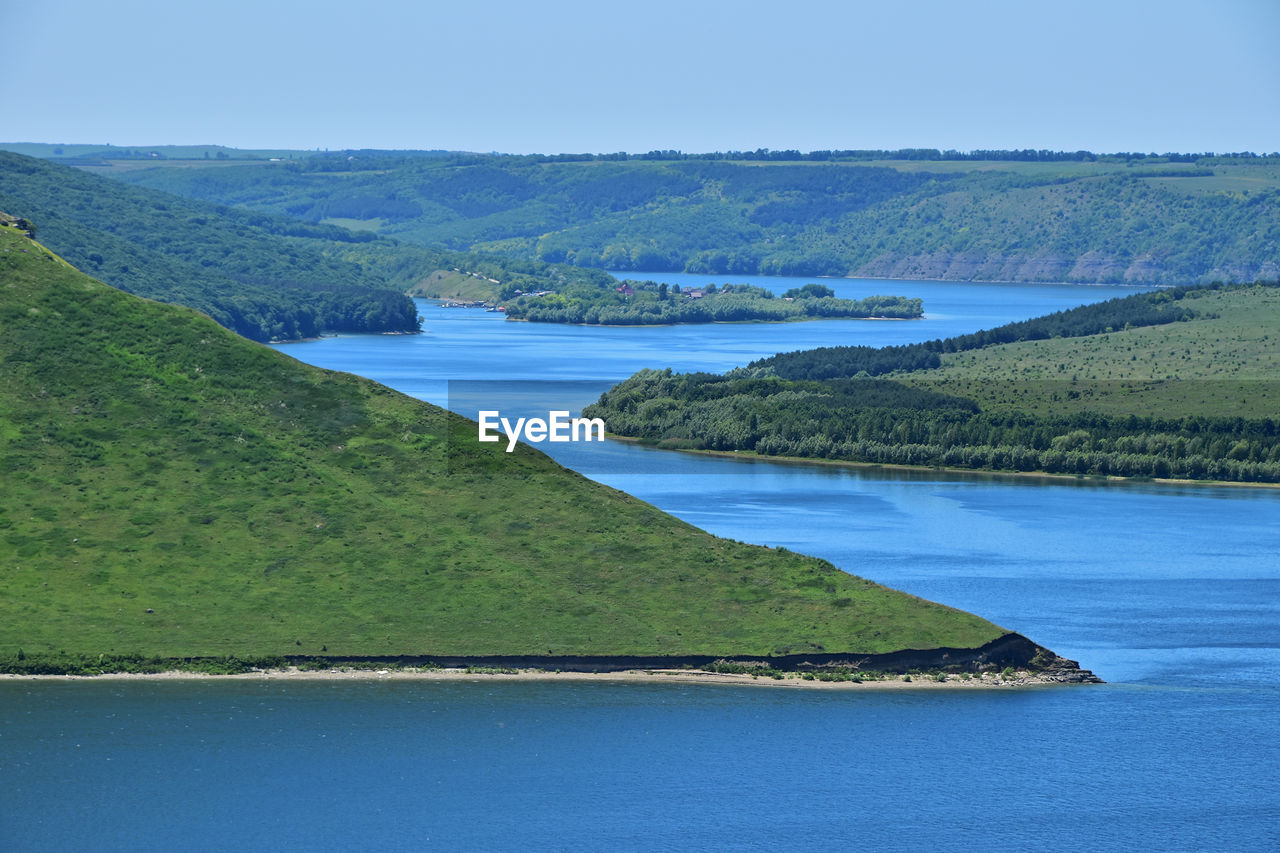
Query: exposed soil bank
(1001, 659)
(985, 681)
(1009, 651)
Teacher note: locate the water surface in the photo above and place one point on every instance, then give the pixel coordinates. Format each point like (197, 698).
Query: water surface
(1171, 593)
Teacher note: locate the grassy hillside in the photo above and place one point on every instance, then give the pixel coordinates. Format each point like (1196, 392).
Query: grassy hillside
(172, 489)
(1182, 383)
(1127, 218)
(1225, 363)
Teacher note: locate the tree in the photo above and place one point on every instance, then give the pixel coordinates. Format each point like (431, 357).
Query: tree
(809, 291)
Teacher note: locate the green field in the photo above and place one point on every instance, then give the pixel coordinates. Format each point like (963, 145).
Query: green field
(171, 489)
(1226, 364)
(355, 224)
(451, 284)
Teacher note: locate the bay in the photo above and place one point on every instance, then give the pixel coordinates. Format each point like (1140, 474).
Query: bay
(1171, 593)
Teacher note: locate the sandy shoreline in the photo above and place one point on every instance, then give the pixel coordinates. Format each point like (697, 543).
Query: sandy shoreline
(653, 676)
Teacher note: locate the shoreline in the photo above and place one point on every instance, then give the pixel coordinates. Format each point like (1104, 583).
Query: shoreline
(751, 456)
(1020, 681)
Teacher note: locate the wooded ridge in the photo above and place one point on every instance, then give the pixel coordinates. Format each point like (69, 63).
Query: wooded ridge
(912, 214)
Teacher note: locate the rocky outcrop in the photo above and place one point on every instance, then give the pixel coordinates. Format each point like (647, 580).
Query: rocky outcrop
(24, 225)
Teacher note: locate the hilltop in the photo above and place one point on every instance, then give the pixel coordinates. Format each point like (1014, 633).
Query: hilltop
(173, 490)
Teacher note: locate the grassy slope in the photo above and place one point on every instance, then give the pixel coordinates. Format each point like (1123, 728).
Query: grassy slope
(1226, 365)
(447, 284)
(153, 461)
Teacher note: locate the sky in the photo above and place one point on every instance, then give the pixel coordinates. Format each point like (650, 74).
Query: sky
(695, 76)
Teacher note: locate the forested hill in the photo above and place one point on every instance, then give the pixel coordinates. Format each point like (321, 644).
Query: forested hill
(264, 276)
(1175, 219)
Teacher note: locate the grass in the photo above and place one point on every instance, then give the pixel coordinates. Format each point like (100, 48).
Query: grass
(1222, 364)
(172, 490)
(355, 224)
(1234, 179)
(447, 284)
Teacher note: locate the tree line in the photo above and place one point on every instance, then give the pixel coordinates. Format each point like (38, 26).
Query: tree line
(1124, 312)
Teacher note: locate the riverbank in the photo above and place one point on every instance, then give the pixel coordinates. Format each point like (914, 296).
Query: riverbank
(985, 681)
(752, 456)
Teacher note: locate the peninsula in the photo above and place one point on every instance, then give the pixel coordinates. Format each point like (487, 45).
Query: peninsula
(1173, 384)
(178, 496)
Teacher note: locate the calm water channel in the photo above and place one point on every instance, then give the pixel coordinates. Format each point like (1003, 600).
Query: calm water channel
(1172, 594)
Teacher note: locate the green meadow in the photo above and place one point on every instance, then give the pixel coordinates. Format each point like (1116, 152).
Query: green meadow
(1223, 364)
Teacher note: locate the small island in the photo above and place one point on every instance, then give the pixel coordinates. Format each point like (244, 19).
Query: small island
(649, 303)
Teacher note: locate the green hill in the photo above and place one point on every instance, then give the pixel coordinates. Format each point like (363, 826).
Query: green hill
(174, 490)
(1014, 216)
(1183, 383)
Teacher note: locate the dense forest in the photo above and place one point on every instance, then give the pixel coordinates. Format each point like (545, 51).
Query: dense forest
(915, 213)
(264, 276)
(638, 303)
(849, 415)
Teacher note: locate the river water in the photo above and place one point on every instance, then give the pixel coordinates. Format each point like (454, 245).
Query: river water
(1170, 593)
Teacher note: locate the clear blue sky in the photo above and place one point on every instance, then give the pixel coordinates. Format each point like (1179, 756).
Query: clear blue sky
(594, 76)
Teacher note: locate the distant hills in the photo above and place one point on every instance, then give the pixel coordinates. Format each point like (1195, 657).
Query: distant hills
(174, 490)
(918, 213)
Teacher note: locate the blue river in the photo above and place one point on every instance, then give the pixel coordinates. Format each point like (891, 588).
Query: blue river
(1170, 593)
